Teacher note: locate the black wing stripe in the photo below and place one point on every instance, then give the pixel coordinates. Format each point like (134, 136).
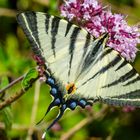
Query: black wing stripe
(108, 51)
(133, 81)
(85, 48)
(28, 21)
(92, 55)
(32, 20)
(69, 25)
(122, 79)
(24, 21)
(88, 39)
(122, 65)
(130, 95)
(47, 23)
(104, 54)
(54, 30)
(116, 60)
(72, 45)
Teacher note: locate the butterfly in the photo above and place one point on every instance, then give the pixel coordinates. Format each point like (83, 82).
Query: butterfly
(80, 69)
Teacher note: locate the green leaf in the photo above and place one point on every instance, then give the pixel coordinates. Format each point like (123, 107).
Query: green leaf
(7, 117)
(29, 78)
(6, 112)
(4, 3)
(53, 7)
(4, 82)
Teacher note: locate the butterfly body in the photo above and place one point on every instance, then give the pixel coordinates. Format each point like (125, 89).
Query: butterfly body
(80, 69)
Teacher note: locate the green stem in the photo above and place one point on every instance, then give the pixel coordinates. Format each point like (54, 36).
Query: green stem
(11, 84)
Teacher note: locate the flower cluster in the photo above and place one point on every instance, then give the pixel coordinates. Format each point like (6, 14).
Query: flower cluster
(80, 9)
(97, 20)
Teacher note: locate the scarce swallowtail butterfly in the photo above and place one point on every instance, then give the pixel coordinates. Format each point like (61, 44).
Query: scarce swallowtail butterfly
(80, 69)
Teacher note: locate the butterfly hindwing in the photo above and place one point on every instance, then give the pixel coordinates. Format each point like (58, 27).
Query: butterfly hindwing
(123, 86)
(114, 81)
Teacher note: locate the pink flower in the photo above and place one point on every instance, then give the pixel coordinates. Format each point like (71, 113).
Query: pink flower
(92, 16)
(80, 9)
(56, 127)
(128, 109)
(71, 9)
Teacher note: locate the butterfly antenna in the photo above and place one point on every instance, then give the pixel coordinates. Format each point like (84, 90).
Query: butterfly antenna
(61, 112)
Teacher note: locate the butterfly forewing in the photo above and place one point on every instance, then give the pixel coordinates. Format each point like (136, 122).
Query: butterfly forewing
(61, 43)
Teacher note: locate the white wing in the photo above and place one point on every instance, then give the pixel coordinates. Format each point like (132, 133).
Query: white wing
(73, 55)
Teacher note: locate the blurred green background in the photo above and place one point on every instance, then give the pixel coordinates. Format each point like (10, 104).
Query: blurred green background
(17, 122)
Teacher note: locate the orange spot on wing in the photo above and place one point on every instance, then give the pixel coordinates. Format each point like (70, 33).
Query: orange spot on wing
(71, 88)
